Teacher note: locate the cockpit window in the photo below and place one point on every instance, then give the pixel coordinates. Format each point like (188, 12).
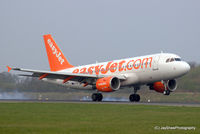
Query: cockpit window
(172, 59)
(177, 59)
(168, 60)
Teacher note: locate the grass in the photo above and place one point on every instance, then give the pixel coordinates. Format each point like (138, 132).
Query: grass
(64, 118)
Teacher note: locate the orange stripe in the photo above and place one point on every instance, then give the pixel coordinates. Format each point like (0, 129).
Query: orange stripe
(68, 78)
(43, 76)
(85, 84)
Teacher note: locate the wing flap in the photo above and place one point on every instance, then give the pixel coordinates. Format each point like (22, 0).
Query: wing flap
(63, 75)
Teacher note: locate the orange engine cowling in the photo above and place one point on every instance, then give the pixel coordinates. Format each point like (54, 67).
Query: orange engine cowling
(108, 84)
(159, 86)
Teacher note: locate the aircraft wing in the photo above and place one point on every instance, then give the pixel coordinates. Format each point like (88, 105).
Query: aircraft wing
(61, 75)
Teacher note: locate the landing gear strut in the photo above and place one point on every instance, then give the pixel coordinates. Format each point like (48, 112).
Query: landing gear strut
(135, 97)
(166, 92)
(97, 97)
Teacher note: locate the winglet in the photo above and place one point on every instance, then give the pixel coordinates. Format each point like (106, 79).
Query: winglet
(9, 68)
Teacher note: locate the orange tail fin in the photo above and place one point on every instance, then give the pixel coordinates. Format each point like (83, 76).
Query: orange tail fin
(57, 60)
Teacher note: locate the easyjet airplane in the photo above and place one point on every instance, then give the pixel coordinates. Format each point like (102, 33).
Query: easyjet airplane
(158, 71)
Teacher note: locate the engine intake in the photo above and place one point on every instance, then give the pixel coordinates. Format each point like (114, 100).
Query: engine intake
(108, 84)
(172, 85)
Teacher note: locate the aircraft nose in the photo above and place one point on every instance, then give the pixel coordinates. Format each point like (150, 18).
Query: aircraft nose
(182, 68)
(186, 67)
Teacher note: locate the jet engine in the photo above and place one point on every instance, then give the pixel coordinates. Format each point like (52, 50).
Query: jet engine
(171, 85)
(108, 84)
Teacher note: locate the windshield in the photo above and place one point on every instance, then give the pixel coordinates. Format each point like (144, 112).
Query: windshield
(173, 59)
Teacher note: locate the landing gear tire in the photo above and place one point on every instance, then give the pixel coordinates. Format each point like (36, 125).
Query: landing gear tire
(97, 97)
(166, 92)
(134, 97)
(100, 97)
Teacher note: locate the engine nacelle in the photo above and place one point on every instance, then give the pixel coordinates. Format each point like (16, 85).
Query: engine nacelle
(108, 84)
(171, 85)
(160, 87)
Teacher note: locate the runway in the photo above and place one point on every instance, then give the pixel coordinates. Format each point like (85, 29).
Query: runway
(103, 102)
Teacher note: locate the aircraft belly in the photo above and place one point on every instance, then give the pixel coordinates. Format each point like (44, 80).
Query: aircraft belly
(69, 84)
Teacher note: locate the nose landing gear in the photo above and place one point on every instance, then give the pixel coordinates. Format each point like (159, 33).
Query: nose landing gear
(166, 92)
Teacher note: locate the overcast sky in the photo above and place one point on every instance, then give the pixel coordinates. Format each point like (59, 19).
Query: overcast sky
(97, 30)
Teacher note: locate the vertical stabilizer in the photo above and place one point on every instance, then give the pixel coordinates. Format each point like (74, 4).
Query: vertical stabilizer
(57, 60)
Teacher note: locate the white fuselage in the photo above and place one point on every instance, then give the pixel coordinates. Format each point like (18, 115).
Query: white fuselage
(138, 70)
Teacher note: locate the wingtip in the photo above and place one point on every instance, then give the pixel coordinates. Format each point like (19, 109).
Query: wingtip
(9, 68)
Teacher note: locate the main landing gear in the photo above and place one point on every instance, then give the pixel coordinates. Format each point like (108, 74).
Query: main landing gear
(97, 97)
(135, 97)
